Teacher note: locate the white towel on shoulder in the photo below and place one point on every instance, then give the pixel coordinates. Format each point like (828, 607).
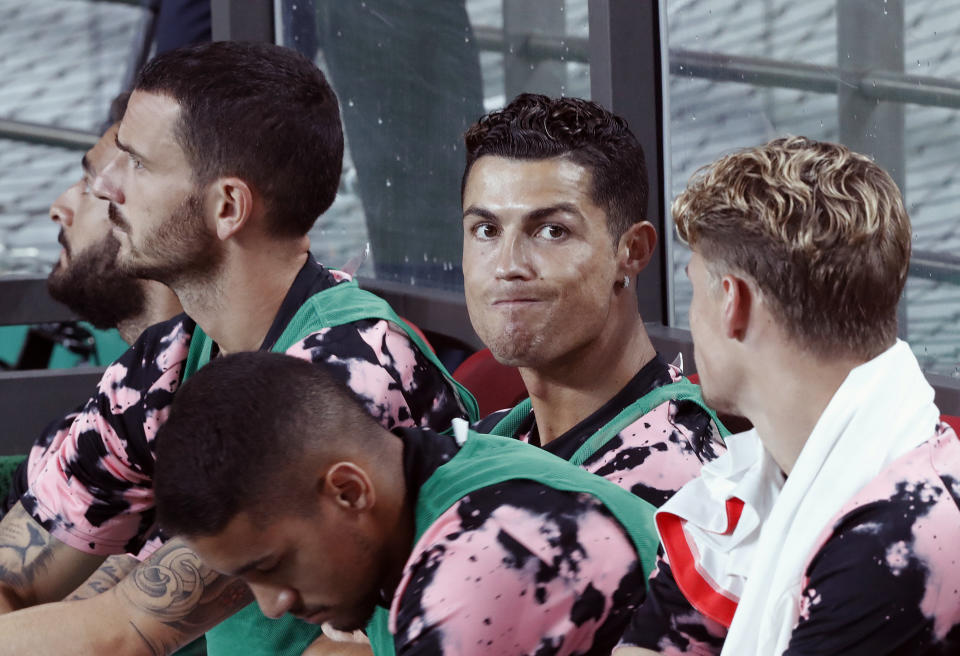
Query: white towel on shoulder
(883, 409)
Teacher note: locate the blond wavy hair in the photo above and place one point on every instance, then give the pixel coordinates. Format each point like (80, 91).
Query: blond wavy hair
(821, 230)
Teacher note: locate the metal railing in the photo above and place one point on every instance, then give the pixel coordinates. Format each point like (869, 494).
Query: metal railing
(757, 71)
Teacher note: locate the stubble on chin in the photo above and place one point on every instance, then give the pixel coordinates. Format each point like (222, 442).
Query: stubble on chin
(516, 345)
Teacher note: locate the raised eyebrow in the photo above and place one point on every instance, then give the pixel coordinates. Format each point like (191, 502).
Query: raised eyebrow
(473, 210)
(543, 212)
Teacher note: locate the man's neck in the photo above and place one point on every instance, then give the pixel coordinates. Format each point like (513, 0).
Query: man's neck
(785, 395)
(395, 515)
(237, 305)
(159, 304)
(569, 391)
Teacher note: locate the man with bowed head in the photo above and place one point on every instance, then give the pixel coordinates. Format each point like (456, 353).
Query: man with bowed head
(477, 544)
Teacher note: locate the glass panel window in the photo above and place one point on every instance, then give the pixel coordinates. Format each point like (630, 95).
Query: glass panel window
(877, 76)
(411, 76)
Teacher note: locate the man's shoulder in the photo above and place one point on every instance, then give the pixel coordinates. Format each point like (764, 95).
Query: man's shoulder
(924, 477)
(512, 548)
(889, 554)
(659, 447)
(905, 519)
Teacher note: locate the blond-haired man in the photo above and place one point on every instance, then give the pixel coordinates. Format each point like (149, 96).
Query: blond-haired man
(831, 527)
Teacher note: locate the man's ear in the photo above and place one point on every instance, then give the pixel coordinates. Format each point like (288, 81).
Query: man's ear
(636, 247)
(233, 205)
(738, 306)
(348, 487)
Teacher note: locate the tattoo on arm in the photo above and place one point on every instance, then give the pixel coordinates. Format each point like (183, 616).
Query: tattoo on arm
(176, 597)
(35, 567)
(110, 573)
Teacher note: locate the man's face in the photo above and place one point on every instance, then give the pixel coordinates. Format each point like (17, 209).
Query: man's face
(155, 207)
(307, 564)
(85, 277)
(714, 364)
(539, 263)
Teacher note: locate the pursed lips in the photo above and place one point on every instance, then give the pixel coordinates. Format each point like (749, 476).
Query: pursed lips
(518, 295)
(520, 300)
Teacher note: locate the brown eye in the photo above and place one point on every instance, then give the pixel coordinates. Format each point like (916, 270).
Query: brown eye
(485, 231)
(552, 232)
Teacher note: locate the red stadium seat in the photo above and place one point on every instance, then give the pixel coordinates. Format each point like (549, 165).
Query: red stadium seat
(952, 421)
(495, 386)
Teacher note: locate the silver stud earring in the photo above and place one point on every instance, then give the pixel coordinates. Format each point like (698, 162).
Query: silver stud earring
(626, 281)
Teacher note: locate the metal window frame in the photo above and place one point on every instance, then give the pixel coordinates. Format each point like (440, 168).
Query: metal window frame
(626, 76)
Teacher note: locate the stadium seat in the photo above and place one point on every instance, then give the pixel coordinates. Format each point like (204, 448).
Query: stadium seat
(952, 421)
(494, 385)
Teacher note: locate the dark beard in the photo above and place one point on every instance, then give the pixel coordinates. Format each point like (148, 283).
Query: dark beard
(181, 249)
(94, 289)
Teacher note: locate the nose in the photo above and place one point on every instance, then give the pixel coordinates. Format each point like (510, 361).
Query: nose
(274, 601)
(60, 211)
(107, 183)
(513, 258)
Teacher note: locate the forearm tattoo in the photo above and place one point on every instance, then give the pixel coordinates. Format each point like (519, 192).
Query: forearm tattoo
(26, 550)
(175, 589)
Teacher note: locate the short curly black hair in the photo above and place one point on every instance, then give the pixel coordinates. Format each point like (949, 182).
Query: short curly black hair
(535, 126)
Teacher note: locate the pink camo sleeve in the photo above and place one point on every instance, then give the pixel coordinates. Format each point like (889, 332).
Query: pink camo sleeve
(93, 489)
(393, 379)
(512, 585)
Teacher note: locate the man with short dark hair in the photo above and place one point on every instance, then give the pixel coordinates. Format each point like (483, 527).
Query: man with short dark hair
(554, 234)
(832, 527)
(476, 544)
(229, 152)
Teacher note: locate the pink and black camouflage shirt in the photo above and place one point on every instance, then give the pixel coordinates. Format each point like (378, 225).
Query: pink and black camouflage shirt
(93, 487)
(512, 568)
(655, 455)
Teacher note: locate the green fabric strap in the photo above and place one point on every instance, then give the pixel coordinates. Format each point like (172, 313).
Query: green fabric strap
(335, 306)
(682, 390)
(510, 424)
(487, 460)
(249, 631)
